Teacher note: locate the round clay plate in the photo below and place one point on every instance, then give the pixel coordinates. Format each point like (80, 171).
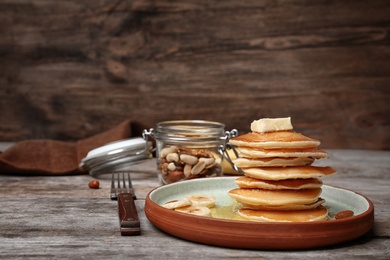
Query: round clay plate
(257, 235)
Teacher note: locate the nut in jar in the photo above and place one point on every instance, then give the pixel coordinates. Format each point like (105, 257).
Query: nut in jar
(189, 149)
(179, 163)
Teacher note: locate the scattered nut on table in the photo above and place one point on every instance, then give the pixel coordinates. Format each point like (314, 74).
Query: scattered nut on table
(94, 184)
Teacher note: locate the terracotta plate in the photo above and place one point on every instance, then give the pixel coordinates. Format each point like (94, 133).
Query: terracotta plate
(257, 235)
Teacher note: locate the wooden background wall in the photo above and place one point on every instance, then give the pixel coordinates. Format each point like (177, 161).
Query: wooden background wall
(73, 68)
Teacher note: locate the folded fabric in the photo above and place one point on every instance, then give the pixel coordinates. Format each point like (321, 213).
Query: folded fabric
(52, 157)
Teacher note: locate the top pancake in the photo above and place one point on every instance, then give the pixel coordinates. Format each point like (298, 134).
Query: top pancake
(274, 140)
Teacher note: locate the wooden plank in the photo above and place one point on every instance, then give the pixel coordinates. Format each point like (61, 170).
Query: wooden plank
(75, 68)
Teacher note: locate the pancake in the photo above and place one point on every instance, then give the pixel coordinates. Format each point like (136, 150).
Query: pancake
(246, 182)
(317, 214)
(284, 207)
(284, 173)
(274, 140)
(275, 197)
(266, 153)
(272, 162)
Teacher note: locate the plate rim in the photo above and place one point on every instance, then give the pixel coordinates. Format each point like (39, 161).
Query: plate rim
(151, 207)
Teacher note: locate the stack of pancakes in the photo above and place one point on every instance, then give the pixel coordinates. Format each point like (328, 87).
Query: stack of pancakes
(279, 183)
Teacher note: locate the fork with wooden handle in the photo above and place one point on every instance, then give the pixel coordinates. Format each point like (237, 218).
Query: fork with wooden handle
(128, 217)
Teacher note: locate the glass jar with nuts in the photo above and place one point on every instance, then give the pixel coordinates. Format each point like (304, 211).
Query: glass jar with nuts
(189, 149)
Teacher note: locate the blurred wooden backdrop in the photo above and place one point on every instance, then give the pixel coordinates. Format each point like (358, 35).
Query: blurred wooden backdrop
(72, 68)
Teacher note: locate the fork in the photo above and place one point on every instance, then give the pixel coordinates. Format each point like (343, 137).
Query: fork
(128, 217)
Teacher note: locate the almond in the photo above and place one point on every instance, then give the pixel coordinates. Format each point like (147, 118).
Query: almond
(344, 214)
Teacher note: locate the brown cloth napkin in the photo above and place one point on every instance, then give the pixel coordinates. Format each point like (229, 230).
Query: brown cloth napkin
(51, 157)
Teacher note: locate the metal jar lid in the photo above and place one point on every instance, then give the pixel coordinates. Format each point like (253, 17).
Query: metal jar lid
(114, 156)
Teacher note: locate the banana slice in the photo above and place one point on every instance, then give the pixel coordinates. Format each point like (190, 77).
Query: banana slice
(196, 210)
(201, 200)
(174, 204)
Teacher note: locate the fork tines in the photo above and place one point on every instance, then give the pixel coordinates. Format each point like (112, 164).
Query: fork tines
(121, 183)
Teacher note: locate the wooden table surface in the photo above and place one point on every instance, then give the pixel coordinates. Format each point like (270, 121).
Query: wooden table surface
(51, 217)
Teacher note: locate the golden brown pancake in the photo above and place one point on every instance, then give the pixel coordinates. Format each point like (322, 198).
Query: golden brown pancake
(272, 162)
(249, 152)
(274, 140)
(317, 214)
(275, 197)
(246, 182)
(284, 207)
(283, 173)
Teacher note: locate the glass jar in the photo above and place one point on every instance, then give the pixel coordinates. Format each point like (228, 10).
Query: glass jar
(189, 149)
